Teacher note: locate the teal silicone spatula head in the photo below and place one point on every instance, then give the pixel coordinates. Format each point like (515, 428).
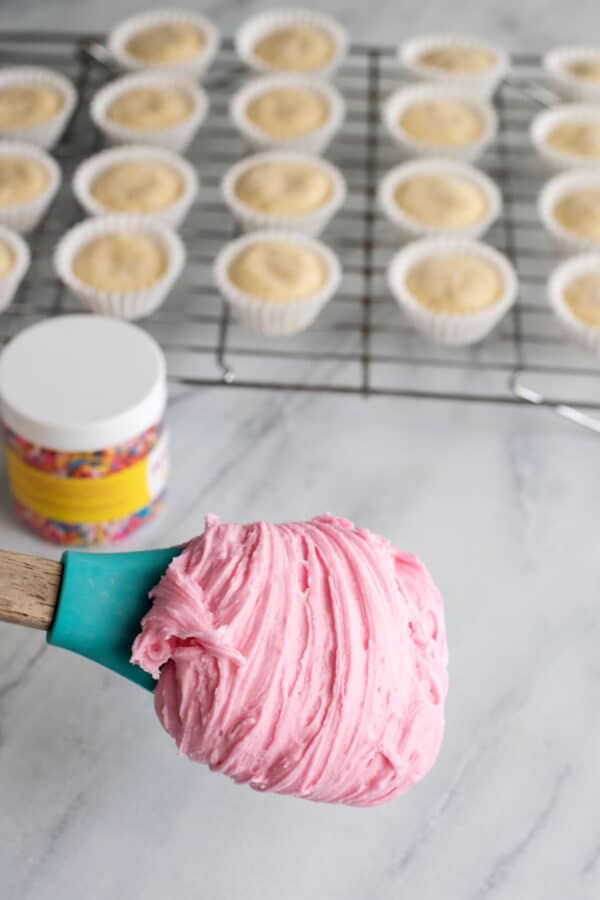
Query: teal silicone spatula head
(102, 598)
(94, 609)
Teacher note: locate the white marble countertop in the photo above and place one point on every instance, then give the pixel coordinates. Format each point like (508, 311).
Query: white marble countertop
(502, 503)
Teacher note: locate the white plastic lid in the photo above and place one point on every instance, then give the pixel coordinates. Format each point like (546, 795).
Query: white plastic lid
(82, 383)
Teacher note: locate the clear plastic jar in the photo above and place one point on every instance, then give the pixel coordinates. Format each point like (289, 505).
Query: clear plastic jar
(82, 401)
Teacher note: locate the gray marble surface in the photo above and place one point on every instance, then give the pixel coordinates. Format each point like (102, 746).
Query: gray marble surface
(502, 504)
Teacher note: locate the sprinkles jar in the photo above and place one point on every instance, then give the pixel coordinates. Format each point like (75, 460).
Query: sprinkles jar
(82, 401)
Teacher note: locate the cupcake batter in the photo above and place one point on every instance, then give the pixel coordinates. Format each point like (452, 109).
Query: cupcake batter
(21, 179)
(306, 658)
(120, 262)
(578, 138)
(167, 43)
(579, 212)
(137, 186)
(582, 296)
(451, 123)
(288, 112)
(7, 259)
(442, 201)
(279, 271)
(25, 105)
(296, 48)
(150, 108)
(283, 188)
(459, 58)
(588, 69)
(455, 283)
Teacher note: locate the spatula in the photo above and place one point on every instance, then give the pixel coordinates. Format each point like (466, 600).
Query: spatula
(89, 603)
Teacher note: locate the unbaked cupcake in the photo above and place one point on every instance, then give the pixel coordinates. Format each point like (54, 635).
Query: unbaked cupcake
(453, 290)
(574, 295)
(568, 136)
(427, 120)
(575, 72)
(150, 108)
(175, 41)
(29, 180)
(121, 266)
(35, 105)
(292, 40)
(292, 191)
(14, 263)
(458, 61)
(277, 282)
(430, 197)
(569, 207)
(289, 112)
(137, 180)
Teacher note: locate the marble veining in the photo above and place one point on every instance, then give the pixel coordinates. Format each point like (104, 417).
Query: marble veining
(502, 504)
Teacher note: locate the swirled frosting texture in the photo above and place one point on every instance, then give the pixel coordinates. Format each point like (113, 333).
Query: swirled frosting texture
(306, 658)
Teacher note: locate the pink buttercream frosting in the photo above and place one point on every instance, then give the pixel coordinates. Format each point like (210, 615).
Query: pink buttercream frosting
(307, 658)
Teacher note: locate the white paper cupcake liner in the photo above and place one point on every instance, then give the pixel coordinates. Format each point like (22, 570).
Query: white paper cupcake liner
(563, 275)
(133, 304)
(44, 134)
(10, 282)
(262, 24)
(566, 241)
(24, 217)
(172, 216)
(446, 328)
(311, 224)
(175, 137)
(264, 317)
(195, 67)
(567, 85)
(482, 83)
(555, 160)
(314, 141)
(405, 97)
(408, 228)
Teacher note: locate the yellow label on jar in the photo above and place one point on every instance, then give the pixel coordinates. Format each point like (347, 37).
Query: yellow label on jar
(80, 501)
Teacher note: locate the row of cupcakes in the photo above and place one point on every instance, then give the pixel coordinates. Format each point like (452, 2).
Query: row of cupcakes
(567, 140)
(569, 208)
(294, 39)
(254, 274)
(452, 287)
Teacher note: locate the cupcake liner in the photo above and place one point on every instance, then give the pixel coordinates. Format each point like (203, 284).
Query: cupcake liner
(407, 96)
(563, 275)
(569, 86)
(133, 304)
(264, 23)
(482, 83)
(566, 241)
(172, 216)
(175, 137)
(311, 224)
(24, 217)
(22, 257)
(555, 160)
(275, 319)
(45, 134)
(196, 67)
(314, 141)
(407, 227)
(446, 328)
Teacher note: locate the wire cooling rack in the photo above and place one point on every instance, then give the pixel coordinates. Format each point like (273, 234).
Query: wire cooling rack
(360, 343)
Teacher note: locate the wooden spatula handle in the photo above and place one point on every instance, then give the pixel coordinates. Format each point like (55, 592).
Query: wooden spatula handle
(29, 589)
